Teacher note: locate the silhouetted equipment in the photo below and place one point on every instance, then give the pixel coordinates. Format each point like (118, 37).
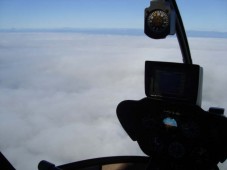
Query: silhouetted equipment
(163, 18)
(5, 164)
(175, 133)
(45, 165)
(174, 81)
(169, 124)
(106, 163)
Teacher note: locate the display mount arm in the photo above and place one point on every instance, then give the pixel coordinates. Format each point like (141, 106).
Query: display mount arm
(181, 35)
(162, 18)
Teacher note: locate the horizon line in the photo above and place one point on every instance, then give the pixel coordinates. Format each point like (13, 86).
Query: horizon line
(113, 31)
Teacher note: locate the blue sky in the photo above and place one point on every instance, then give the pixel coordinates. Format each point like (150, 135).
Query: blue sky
(207, 15)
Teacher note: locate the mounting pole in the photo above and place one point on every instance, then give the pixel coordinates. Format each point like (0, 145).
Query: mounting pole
(181, 35)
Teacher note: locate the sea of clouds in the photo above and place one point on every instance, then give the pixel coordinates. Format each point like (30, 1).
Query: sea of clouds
(59, 91)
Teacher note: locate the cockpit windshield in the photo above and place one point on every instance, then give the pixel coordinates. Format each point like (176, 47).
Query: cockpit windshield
(65, 65)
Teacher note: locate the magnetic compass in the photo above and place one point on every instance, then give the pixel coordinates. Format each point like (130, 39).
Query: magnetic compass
(158, 21)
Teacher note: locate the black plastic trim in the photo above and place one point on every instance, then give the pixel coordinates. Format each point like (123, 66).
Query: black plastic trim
(104, 161)
(181, 35)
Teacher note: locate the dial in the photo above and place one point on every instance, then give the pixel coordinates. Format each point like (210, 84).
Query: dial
(190, 129)
(176, 150)
(158, 21)
(156, 144)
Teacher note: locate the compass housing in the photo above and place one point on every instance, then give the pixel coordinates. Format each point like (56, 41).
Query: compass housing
(159, 20)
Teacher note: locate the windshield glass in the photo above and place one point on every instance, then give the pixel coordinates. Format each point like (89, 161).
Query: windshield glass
(65, 65)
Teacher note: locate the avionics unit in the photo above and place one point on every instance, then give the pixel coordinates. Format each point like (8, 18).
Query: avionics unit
(173, 82)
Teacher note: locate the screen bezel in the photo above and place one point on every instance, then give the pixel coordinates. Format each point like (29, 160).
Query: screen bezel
(191, 73)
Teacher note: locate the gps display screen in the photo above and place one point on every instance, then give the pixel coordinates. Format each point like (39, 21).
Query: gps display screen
(173, 81)
(169, 83)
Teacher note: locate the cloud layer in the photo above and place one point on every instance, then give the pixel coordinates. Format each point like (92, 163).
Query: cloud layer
(59, 91)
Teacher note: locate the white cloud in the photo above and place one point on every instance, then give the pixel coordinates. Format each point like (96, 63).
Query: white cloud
(59, 91)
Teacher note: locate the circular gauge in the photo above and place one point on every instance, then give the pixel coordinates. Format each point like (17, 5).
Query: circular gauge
(156, 144)
(201, 155)
(190, 129)
(176, 150)
(158, 21)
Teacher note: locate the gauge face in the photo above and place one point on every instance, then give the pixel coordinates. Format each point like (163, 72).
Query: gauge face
(176, 150)
(158, 21)
(190, 129)
(156, 145)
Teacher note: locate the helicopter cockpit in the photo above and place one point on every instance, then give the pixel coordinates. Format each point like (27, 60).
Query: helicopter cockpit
(168, 124)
